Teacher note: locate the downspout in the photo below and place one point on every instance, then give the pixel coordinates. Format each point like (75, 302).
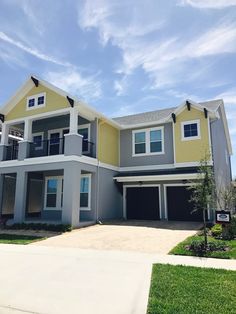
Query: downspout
(98, 168)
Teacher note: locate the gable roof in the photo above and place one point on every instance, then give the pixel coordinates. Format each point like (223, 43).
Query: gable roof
(29, 84)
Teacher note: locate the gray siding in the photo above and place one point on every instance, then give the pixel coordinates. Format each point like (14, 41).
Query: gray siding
(110, 198)
(221, 157)
(126, 159)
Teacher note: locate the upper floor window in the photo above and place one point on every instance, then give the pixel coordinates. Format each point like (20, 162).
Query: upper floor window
(148, 141)
(36, 101)
(190, 130)
(38, 140)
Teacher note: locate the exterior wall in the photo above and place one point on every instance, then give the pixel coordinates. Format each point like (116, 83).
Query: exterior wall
(192, 150)
(108, 144)
(110, 198)
(126, 159)
(221, 157)
(53, 102)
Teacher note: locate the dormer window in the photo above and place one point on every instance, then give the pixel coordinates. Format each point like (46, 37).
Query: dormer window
(36, 101)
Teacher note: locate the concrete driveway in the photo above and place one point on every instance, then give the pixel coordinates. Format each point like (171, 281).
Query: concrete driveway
(138, 236)
(46, 280)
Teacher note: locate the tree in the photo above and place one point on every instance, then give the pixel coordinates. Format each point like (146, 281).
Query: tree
(203, 191)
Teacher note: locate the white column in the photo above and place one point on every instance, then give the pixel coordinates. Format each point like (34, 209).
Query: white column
(74, 120)
(28, 130)
(5, 132)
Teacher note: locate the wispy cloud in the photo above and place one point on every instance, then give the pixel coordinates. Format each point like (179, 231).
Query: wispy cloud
(86, 87)
(34, 52)
(208, 4)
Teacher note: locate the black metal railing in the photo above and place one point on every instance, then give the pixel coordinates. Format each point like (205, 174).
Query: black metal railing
(56, 147)
(12, 152)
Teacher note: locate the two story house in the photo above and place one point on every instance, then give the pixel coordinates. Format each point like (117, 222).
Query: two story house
(61, 161)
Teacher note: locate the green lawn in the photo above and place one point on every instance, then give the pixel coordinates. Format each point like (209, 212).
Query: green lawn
(187, 290)
(18, 239)
(181, 250)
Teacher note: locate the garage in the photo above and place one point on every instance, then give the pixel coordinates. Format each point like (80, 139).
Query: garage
(178, 205)
(143, 203)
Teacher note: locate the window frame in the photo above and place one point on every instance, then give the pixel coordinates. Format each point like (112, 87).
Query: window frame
(38, 134)
(89, 176)
(35, 97)
(191, 138)
(148, 141)
(59, 204)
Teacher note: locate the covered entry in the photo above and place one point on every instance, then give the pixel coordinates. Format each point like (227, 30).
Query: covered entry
(143, 202)
(178, 205)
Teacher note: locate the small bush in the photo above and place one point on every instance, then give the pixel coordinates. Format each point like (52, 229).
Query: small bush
(216, 231)
(41, 226)
(198, 246)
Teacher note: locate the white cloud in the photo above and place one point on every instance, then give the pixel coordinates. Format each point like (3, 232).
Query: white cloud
(164, 59)
(87, 87)
(208, 4)
(32, 51)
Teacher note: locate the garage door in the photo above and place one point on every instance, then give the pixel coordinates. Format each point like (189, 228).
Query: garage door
(178, 205)
(142, 203)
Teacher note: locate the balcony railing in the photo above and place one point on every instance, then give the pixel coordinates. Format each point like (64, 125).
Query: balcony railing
(56, 147)
(12, 152)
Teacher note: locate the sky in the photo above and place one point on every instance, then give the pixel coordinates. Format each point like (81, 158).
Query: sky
(123, 56)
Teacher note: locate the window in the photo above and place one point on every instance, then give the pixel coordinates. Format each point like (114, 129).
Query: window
(85, 191)
(148, 141)
(190, 130)
(51, 198)
(53, 193)
(38, 141)
(36, 101)
(140, 142)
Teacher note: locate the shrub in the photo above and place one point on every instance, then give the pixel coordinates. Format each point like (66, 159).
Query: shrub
(216, 231)
(198, 246)
(41, 226)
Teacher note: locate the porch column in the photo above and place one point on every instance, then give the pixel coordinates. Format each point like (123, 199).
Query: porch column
(71, 194)
(24, 145)
(74, 120)
(20, 196)
(4, 141)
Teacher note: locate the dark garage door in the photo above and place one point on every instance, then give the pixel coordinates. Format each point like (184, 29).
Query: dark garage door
(142, 203)
(178, 205)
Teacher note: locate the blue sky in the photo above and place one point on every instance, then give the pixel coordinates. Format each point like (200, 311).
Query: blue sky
(123, 56)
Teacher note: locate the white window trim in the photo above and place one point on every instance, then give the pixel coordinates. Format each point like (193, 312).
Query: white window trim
(147, 143)
(35, 97)
(38, 134)
(58, 197)
(89, 192)
(191, 138)
(85, 126)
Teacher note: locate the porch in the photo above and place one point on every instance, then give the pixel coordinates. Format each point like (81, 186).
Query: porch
(66, 133)
(50, 196)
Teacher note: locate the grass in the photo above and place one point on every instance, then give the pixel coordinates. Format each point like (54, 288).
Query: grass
(185, 290)
(180, 249)
(18, 239)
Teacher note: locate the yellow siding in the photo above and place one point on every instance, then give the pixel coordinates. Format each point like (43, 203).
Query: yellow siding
(53, 102)
(108, 144)
(192, 150)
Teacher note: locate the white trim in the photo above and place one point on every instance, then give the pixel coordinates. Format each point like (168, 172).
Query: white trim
(107, 166)
(173, 132)
(35, 97)
(139, 186)
(148, 141)
(190, 164)
(148, 167)
(38, 134)
(58, 194)
(191, 138)
(89, 176)
(209, 139)
(143, 178)
(165, 194)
